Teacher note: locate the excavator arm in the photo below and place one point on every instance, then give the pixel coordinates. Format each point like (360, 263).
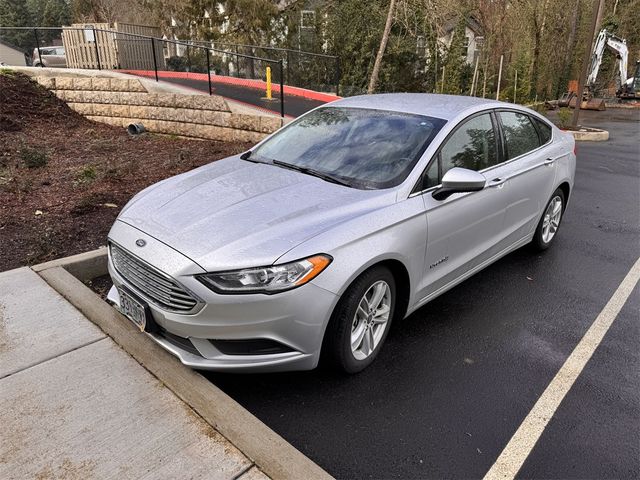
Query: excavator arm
(616, 44)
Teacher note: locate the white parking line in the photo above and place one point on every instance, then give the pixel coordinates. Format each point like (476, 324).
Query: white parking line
(521, 444)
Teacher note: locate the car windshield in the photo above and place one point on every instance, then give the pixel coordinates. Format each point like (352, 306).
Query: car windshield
(365, 148)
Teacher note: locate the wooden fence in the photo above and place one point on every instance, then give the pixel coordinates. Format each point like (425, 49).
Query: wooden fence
(116, 48)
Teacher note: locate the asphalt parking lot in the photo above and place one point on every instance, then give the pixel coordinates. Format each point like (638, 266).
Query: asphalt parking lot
(457, 378)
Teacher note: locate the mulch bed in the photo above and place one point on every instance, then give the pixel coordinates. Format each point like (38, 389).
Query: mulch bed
(63, 178)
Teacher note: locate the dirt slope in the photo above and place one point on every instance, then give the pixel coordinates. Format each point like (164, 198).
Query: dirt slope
(63, 178)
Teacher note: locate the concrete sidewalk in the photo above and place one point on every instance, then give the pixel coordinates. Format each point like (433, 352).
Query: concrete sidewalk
(73, 404)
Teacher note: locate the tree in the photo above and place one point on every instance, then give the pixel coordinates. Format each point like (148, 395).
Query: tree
(383, 45)
(49, 13)
(14, 13)
(455, 66)
(111, 11)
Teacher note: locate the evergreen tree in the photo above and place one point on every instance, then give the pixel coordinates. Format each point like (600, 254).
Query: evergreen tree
(14, 13)
(455, 65)
(49, 13)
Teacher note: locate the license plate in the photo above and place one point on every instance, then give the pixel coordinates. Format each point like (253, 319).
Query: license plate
(133, 309)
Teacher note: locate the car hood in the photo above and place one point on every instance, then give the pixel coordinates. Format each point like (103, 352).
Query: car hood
(235, 214)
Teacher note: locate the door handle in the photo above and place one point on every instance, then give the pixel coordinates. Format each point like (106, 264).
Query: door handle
(551, 160)
(497, 182)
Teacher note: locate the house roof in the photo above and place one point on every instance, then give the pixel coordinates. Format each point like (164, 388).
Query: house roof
(472, 23)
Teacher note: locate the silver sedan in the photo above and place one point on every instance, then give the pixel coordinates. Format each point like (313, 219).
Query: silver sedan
(308, 246)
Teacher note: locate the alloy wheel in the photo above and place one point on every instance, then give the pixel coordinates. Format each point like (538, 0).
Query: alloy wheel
(552, 218)
(370, 321)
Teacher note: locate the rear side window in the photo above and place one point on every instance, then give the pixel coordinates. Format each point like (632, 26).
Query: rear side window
(544, 130)
(472, 146)
(519, 134)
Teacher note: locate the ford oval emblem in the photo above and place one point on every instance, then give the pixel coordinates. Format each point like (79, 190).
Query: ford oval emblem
(140, 242)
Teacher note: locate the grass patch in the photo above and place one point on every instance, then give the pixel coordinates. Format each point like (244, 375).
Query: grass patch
(32, 158)
(85, 176)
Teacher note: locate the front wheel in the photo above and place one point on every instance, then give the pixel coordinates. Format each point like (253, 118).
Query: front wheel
(550, 221)
(360, 323)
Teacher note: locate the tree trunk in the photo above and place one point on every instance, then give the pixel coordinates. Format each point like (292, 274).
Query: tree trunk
(600, 14)
(383, 46)
(586, 59)
(570, 50)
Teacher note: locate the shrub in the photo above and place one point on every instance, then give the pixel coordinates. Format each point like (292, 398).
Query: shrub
(86, 175)
(33, 158)
(564, 117)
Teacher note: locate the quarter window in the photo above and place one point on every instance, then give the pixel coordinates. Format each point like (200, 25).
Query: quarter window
(519, 134)
(472, 146)
(431, 176)
(544, 130)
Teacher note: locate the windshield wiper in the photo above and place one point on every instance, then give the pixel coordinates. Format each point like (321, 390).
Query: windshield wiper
(310, 171)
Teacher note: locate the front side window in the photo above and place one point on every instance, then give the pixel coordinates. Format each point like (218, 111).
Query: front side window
(367, 148)
(472, 146)
(520, 135)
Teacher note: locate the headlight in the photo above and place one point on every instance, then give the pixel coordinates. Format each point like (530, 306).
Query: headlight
(271, 279)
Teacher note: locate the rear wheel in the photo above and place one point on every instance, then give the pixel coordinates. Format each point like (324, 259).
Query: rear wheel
(360, 323)
(550, 221)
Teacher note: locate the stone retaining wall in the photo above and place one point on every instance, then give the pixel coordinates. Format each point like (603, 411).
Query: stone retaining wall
(120, 102)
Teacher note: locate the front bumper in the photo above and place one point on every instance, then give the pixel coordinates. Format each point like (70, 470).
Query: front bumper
(295, 319)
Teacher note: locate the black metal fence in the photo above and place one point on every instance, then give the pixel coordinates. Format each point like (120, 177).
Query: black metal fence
(315, 71)
(236, 71)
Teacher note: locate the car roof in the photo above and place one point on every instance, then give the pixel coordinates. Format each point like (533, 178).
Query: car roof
(446, 107)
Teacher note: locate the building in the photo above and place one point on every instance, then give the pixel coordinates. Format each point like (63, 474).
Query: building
(473, 37)
(12, 55)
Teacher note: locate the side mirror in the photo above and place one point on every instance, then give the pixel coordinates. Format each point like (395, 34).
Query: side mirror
(459, 180)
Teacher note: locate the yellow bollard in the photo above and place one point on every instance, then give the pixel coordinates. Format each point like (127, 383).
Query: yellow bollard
(268, 83)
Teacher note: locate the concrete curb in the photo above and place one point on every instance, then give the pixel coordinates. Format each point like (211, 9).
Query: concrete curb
(270, 452)
(590, 135)
(83, 266)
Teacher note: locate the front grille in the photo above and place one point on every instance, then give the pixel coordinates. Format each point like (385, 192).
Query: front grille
(158, 288)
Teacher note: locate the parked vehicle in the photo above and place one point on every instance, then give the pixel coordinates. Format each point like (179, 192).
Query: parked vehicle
(356, 214)
(49, 57)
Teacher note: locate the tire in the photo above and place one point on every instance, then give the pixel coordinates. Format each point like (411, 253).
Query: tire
(549, 224)
(349, 321)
